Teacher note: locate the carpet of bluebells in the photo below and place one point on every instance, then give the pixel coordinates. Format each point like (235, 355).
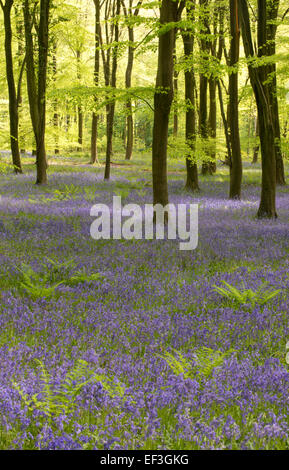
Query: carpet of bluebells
(111, 361)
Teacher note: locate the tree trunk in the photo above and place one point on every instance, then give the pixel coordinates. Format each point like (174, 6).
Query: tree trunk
(213, 123)
(203, 111)
(236, 159)
(192, 182)
(272, 13)
(13, 105)
(94, 125)
(259, 77)
(21, 65)
(129, 118)
(79, 107)
(111, 106)
(55, 102)
(80, 127)
(257, 146)
(163, 101)
(176, 91)
(37, 92)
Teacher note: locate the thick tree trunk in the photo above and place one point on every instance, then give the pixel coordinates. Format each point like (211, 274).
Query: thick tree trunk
(272, 14)
(163, 101)
(259, 77)
(43, 32)
(37, 92)
(236, 159)
(13, 105)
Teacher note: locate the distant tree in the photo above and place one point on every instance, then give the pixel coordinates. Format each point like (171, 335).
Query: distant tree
(130, 15)
(205, 47)
(109, 51)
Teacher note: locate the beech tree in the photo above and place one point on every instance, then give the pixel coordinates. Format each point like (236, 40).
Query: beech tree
(170, 13)
(36, 78)
(259, 76)
(93, 146)
(192, 182)
(236, 159)
(130, 15)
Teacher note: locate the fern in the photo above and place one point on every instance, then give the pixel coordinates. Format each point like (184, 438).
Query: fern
(62, 400)
(206, 360)
(58, 271)
(35, 284)
(178, 363)
(38, 285)
(246, 295)
(64, 194)
(81, 277)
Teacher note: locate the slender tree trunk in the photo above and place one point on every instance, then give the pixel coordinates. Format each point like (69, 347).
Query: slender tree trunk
(13, 105)
(21, 65)
(111, 106)
(128, 132)
(203, 111)
(192, 182)
(55, 102)
(176, 91)
(129, 117)
(79, 107)
(257, 145)
(236, 159)
(225, 124)
(94, 125)
(80, 127)
(213, 123)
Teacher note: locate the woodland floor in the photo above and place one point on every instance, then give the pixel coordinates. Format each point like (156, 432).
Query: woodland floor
(119, 361)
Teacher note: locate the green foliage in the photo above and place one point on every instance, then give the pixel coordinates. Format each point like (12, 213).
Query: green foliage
(53, 402)
(35, 284)
(64, 194)
(246, 295)
(58, 271)
(44, 284)
(5, 167)
(206, 360)
(81, 277)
